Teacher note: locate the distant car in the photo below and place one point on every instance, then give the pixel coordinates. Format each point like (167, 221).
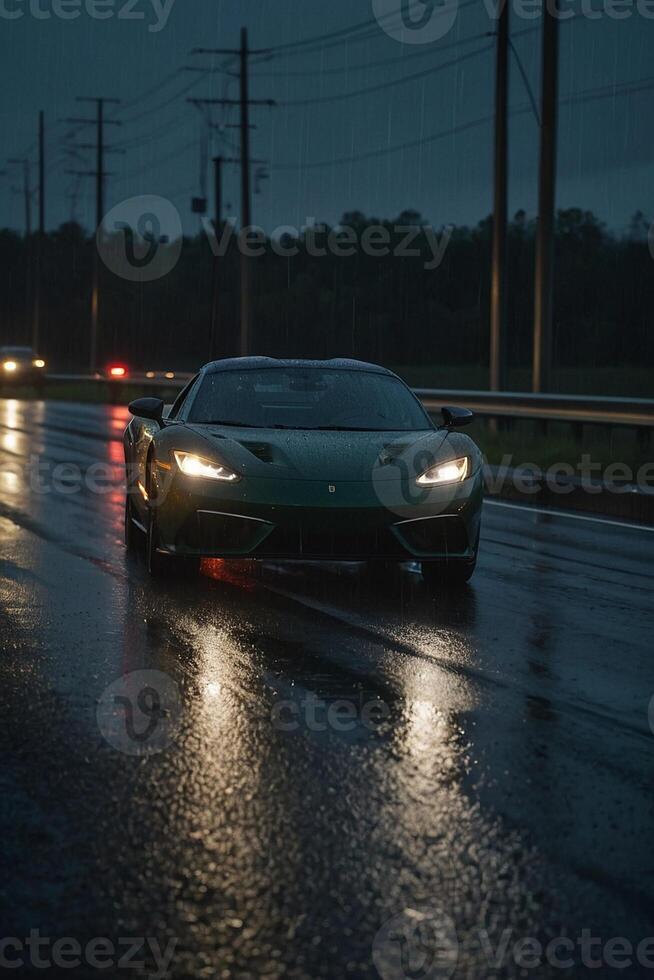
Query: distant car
(21, 366)
(115, 371)
(313, 460)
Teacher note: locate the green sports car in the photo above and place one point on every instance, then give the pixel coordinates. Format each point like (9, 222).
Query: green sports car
(302, 460)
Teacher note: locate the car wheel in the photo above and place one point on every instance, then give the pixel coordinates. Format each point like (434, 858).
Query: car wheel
(451, 574)
(448, 574)
(159, 564)
(133, 536)
(162, 565)
(380, 570)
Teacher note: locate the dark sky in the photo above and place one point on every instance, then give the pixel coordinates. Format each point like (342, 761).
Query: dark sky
(606, 144)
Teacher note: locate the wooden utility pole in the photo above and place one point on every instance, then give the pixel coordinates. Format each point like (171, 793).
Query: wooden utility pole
(27, 192)
(217, 192)
(244, 102)
(498, 311)
(99, 173)
(246, 204)
(544, 274)
(38, 261)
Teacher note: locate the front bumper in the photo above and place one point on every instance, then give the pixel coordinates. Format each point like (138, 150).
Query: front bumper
(304, 520)
(22, 376)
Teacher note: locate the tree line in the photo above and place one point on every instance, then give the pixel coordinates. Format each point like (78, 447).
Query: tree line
(391, 308)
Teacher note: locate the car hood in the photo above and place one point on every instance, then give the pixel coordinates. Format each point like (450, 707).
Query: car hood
(334, 456)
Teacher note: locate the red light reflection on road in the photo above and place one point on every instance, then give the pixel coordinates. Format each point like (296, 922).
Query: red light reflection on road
(224, 571)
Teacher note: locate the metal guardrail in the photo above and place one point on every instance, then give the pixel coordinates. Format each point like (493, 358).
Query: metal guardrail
(575, 409)
(161, 379)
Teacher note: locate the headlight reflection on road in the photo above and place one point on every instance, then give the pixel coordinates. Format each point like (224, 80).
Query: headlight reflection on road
(9, 417)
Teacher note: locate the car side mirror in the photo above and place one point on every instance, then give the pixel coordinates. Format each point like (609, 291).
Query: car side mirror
(454, 417)
(148, 408)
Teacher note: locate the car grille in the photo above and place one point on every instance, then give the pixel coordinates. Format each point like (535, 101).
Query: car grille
(435, 535)
(318, 542)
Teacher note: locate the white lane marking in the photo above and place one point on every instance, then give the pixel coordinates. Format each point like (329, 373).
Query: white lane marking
(624, 525)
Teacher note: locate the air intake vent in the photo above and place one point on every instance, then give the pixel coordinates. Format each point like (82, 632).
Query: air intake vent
(259, 449)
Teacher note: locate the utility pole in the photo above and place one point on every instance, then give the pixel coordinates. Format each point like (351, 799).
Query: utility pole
(27, 193)
(215, 291)
(99, 175)
(38, 261)
(218, 194)
(244, 102)
(246, 207)
(544, 274)
(498, 312)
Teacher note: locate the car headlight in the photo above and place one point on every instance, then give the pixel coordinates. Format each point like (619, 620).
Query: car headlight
(191, 465)
(10, 365)
(452, 471)
(39, 363)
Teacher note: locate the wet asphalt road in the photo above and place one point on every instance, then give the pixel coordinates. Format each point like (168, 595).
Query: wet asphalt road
(333, 752)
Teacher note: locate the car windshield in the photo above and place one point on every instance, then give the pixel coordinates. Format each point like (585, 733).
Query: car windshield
(308, 398)
(16, 351)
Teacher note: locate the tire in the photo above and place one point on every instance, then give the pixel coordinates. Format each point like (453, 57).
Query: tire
(382, 571)
(453, 574)
(130, 530)
(448, 575)
(162, 565)
(134, 536)
(159, 565)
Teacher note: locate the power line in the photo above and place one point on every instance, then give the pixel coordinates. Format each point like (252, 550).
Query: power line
(343, 96)
(588, 95)
(162, 105)
(382, 151)
(368, 65)
(374, 22)
(525, 79)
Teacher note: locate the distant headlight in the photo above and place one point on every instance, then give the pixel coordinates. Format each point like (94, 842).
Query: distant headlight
(39, 363)
(453, 471)
(10, 365)
(191, 465)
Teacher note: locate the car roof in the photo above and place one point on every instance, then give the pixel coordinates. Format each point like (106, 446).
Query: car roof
(257, 363)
